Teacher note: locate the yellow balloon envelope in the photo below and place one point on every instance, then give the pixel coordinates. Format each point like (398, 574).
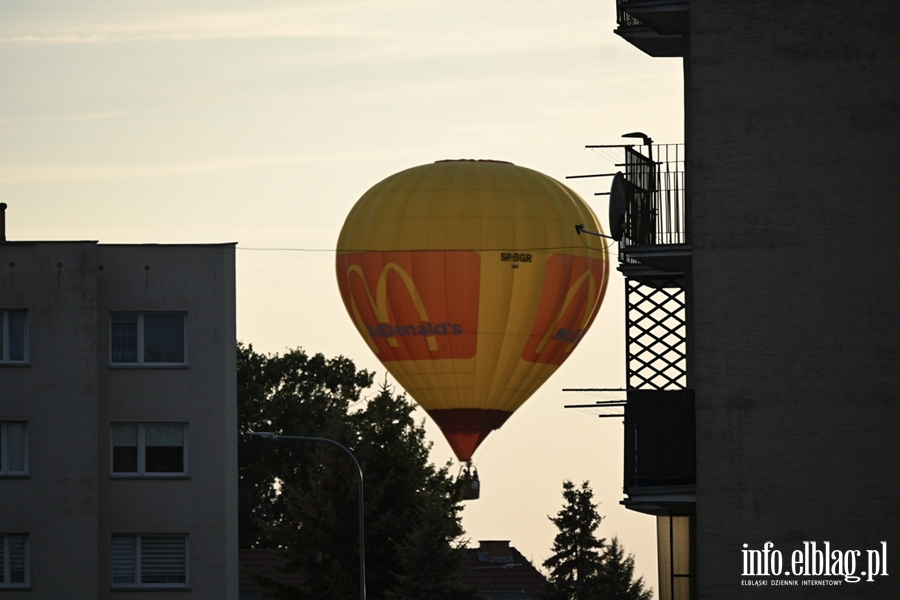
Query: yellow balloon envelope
(469, 282)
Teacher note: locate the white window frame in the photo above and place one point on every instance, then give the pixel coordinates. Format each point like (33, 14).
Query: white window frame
(141, 362)
(4, 450)
(4, 342)
(5, 575)
(142, 453)
(139, 563)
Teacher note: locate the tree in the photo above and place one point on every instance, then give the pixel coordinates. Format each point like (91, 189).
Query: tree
(429, 566)
(583, 566)
(300, 498)
(618, 575)
(577, 560)
(286, 394)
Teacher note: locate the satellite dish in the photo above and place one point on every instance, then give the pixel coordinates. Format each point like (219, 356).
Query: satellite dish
(617, 207)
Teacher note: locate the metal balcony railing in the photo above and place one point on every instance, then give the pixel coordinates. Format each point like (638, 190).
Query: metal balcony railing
(660, 438)
(622, 17)
(654, 202)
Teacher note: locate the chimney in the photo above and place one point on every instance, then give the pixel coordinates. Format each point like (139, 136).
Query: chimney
(2, 221)
(494, 551)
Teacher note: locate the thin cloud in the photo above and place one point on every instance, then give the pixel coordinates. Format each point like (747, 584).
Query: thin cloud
(390, 28)
(73, 116)
(89, 172)
(293, 22)
(32, 173)
(191, 29)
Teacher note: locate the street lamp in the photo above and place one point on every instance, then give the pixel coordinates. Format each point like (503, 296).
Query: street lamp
(268, 435)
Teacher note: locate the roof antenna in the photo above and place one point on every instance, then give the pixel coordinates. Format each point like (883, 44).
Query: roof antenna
(647, 141)
(2, 221)
(638, 134)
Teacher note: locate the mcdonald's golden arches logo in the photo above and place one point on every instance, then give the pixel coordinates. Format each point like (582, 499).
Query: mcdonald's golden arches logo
(403, 306)
(572, 293)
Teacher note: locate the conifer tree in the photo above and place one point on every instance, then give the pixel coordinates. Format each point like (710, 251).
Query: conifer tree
(618, 575)
(584, 566)
(577, 561)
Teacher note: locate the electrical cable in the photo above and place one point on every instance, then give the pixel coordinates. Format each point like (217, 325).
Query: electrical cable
(504, 249)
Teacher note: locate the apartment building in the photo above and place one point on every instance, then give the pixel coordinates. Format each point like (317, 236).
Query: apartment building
(763, 318)
(118, 421)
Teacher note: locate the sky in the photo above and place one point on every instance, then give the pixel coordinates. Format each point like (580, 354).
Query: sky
(263, 123)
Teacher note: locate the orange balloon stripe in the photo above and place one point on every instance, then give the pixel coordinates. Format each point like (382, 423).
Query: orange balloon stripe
(573, 290)
(401, 303)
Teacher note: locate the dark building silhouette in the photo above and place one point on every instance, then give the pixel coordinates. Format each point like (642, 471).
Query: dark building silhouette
(763, 312)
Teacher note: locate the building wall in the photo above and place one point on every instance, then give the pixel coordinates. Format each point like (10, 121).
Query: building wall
(794, 187)
(69, 394)
(57, 395)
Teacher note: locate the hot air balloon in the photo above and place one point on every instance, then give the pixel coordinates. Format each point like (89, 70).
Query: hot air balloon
(471, 284)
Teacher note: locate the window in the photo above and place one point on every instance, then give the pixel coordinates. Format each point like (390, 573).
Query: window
(13, 449)
(14, 571)
(147, 339)
(13, 348)
(149, 449)
(676, 552)
(158, 560)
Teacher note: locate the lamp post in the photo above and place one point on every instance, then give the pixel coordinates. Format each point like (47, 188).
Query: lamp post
(268, 435)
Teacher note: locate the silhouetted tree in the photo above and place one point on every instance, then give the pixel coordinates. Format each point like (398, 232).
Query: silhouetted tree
(617, 575)
(300, 498)
(577, 560)
(287, 394)
(429, 565)
(583, 566)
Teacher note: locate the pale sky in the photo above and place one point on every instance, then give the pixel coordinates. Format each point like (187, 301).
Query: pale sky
(262, 123)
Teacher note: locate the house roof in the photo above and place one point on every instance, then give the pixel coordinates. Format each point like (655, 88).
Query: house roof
(499, 571)
(261, 562)
(496, 569)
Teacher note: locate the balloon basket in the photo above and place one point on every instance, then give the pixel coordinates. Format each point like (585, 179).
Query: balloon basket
(468, 478)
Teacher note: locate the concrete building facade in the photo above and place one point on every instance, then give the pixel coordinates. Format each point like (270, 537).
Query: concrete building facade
(792, 333)
(119, 421)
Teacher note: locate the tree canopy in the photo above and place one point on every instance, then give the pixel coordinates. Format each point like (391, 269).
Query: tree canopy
(618, 575)
(583, 566)
(300, 498)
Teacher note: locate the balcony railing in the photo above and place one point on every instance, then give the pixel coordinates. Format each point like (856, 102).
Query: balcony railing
(623, 18)
(657, 27)
(654, 196)
(660, 439)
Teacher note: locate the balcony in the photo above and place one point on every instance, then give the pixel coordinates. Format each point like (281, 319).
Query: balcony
(660, 451)
(654, 244)
(656, 27)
